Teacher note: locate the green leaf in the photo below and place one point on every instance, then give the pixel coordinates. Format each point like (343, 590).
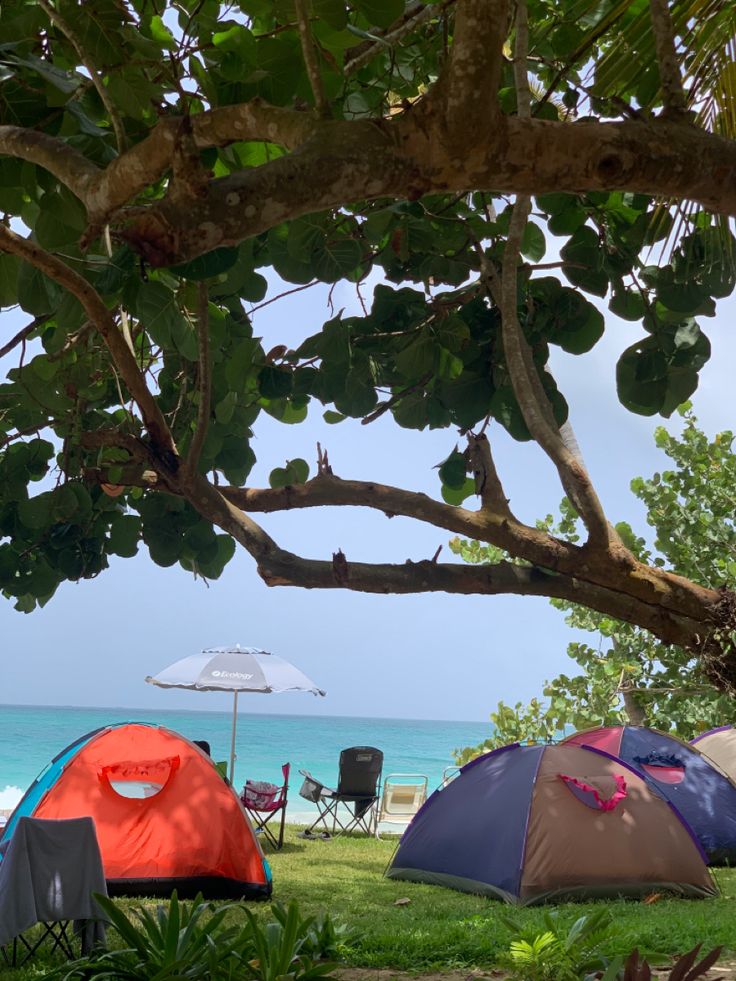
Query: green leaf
(132, 93)
(225, 408)
(125, 533)
(682, 297)
(295, 472)
(581, 337)
(333, 12)
(453, 470)
(210, 264)
(380, 13)
(9, 271)
(156, 307)
(35, 512)
(583, 259)
(627, 304)
(37, 294)
(161, 33)
(64, 81)
(456, 496)
(336, 258)
(533, 245)
(275, 383)
(120, 267)
(61, 221)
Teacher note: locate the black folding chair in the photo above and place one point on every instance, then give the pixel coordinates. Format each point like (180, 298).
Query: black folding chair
(358, 790)
(267, 802)
(49, 872)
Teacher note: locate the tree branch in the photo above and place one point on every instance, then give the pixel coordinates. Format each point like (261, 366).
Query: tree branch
(212, 504)
(105, 191)
(56, 18)
(148, 160)
(101, 317)
(530, 394)
(487, 483)
(533, 401)
(309, 52)
(659, 157)
(327, 490)
(63, 161)
(467, 87)
(651, 586)
(504, 577)
(673, 93)
(415, 15)
(205, 383)
(23, 334)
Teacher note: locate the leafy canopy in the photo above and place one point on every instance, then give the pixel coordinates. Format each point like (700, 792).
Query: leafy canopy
(160, 165)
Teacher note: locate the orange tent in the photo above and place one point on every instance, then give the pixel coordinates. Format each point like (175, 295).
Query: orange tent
(164, 816)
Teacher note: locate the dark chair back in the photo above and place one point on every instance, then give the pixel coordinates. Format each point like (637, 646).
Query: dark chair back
(360, 771)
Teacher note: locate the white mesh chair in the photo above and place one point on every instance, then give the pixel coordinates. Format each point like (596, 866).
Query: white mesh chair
(48, 873)
(403, 795)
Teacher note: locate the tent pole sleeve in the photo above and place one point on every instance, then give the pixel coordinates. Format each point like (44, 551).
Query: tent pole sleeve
(232, 740)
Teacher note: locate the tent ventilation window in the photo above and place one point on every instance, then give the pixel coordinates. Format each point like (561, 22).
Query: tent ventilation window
(592, 796)
(662, 767)
(139, 780)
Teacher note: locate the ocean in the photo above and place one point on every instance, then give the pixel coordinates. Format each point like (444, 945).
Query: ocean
(30, 736)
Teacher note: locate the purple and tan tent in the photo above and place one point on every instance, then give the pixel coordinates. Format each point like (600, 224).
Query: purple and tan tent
(530, 824)
(702, 793)
(719, 746)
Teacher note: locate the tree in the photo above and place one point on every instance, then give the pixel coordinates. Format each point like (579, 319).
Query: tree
(154, 159)
(630, 676)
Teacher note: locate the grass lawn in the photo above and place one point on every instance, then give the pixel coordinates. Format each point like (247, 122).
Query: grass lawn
(444, 930)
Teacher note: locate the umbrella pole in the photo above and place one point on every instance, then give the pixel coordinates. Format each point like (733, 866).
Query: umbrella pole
(232, 741)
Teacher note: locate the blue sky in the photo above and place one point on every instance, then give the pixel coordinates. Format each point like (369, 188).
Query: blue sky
(431, 656)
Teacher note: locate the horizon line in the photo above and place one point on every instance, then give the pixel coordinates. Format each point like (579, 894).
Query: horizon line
(227, 712)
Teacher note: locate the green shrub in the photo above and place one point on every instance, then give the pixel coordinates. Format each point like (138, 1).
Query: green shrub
(193, 942)
(282, 948)
(558, 954)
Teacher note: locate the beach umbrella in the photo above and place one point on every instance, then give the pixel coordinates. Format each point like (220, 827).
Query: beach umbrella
(236, 669)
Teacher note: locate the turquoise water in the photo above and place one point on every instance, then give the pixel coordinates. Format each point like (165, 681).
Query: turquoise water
(30, 736)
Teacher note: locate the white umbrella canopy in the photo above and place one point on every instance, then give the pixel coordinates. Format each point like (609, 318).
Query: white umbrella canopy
(234, 669)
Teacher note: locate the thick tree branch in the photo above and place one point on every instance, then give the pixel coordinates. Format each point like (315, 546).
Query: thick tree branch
(102, 319)
(363, 160)
(532, 399)
(673, 93)
(63, 161)
(328, 490)
(205, 383)
(212, 504)
(105, 191)
(309, 53)
(301, 183)
(533, 402)
(340, 161)
(651, 586)
(467, 88)
(148, 160)
(504, 577)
